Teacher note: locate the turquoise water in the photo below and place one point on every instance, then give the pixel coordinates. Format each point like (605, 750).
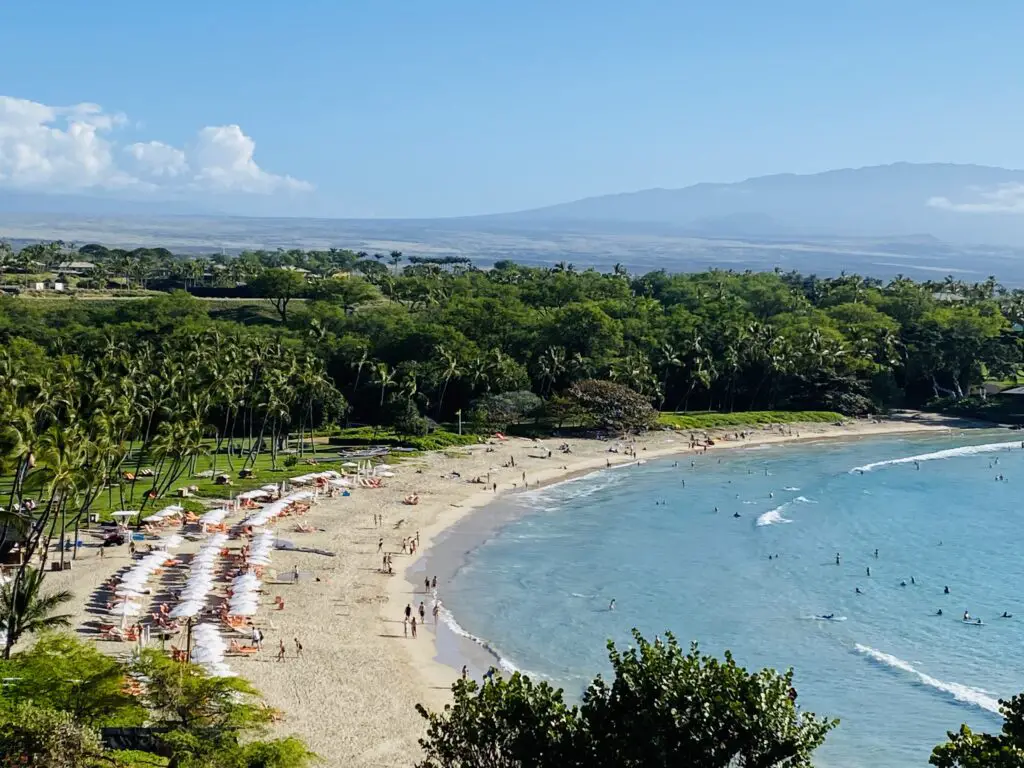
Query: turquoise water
(537, 588)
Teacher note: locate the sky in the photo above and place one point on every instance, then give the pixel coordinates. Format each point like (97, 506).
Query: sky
(394, 108)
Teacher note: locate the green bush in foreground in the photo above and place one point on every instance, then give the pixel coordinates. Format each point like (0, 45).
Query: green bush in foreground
(746, 419)
(664, 707)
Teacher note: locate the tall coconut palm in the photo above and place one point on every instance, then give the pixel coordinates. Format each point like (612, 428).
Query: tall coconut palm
(25, 610)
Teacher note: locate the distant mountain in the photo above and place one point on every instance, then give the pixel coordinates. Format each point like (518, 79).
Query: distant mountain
(966, 203)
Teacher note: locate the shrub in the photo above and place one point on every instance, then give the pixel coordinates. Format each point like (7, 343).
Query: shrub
(613, 406)
(497, 412)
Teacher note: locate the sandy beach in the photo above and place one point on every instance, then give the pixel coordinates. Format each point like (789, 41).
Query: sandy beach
(352, 693)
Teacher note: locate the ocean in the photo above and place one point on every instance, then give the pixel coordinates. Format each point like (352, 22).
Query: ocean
(527, 582)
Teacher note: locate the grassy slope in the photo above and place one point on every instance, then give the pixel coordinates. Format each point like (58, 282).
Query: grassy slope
(744, 419)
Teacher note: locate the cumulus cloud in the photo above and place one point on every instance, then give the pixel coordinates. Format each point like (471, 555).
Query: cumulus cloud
(1004, 198)
(75, 148)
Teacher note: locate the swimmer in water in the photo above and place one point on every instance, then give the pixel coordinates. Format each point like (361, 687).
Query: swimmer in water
(912, 580)
(736, 514)
(1006, 615)
(876, 554)
(869, 570)
(903, 583)
(946, 590)
(917, 465)
(967, 616)
(939, 612)
(771, 495)
(611, 605)
(837, 558)
(857, 590)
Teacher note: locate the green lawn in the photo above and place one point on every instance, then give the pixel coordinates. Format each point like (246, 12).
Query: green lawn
(744, 419)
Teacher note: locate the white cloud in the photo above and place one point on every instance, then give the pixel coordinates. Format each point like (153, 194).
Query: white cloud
(72, 148)
(1004, 198)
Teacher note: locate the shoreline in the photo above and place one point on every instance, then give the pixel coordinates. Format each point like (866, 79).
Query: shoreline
(426, 658)
(352, 694)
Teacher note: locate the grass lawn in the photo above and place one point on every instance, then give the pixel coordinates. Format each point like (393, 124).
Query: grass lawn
(708, 420)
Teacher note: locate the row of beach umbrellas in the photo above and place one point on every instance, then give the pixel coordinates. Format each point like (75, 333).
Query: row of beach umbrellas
(200, 580)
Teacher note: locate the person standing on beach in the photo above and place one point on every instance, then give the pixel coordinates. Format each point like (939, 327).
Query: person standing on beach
(280, 650)
(433, 583)
(408, 610)
(426, 584)
(436, 609)
(380, 544)
(298, 648)
(423, 612)
(413, 627)
(417, 538)
(465, 672)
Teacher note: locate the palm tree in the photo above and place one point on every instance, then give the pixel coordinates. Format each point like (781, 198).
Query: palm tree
(24, 609)
(450, 369)
(385, 377)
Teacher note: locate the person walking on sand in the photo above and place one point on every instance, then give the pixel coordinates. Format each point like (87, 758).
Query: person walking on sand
(423, 612)
(380, 544)
(426, 584)
(433, 583)
(435, 610)
(298, 648)
(408, 610)
(280, 650)
(417, 538)
(413, 627)
(465, 672)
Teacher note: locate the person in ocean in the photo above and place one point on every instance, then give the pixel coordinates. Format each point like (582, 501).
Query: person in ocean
(869, 570)
(876, 554)
(967, 616)
(611, 605)
(978, 621)
(1006, 615)
(912, 580)
(903, 583)
(939, 612)
(837, 558)
(946, 590)
(857, 590)
(736, 514)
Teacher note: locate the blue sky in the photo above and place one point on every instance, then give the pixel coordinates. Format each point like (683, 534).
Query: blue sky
(379, 108)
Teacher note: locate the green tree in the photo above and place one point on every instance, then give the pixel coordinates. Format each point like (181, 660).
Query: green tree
(967, 749)
(25, 610)
(45, 738)
(279, 286)
(613, 406)
(664, 705)
(663, 708)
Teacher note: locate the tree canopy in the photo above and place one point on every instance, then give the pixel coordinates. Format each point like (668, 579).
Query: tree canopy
(664, 707)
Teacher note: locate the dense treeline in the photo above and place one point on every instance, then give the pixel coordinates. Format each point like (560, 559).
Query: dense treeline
(437, 336)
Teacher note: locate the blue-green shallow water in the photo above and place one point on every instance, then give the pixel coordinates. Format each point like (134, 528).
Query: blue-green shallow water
(537, 588)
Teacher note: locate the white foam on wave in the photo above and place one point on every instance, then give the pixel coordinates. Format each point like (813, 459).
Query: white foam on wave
(567, 491)
(449, 621)
(949, 453)
(962, 693)
(790, 488)
(774, 516)
(805, 500)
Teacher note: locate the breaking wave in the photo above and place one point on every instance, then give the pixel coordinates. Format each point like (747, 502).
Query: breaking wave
(949, 453)
(449, 621)
(965, 694)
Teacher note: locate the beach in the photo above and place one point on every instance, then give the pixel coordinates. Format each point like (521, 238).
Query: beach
(352, 693)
